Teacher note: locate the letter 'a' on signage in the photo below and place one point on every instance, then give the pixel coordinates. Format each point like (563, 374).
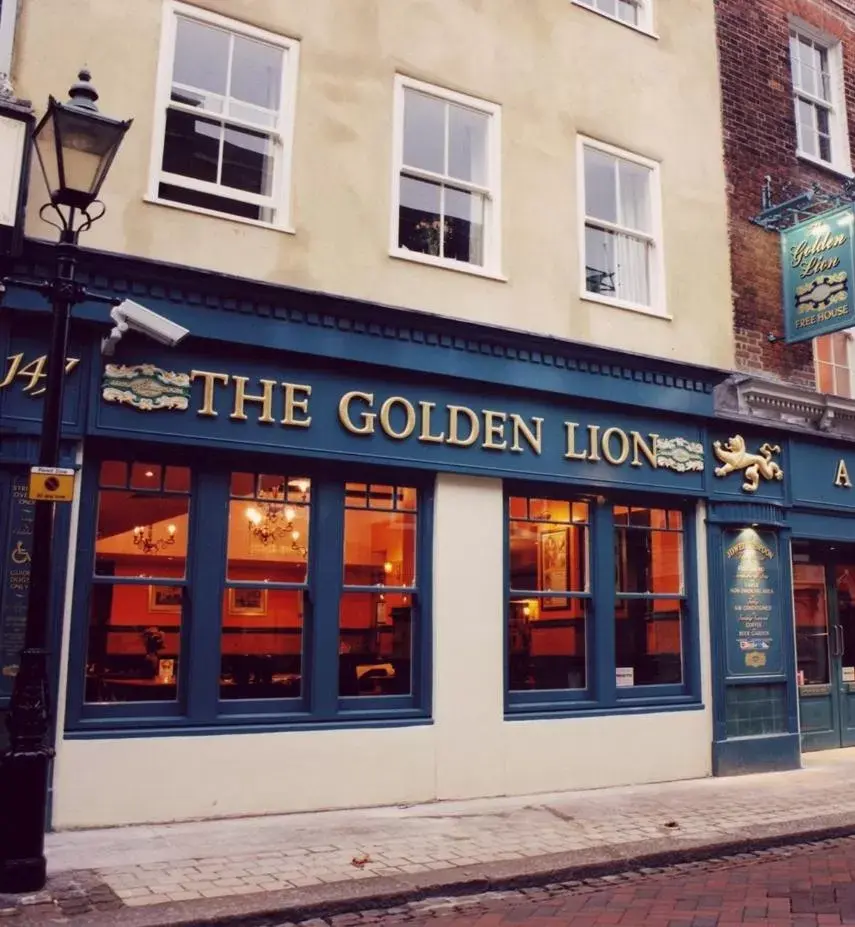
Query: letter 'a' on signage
(51, 484)
(818, 274)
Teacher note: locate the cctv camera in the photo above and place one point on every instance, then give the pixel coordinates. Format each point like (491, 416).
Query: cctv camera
(148, 323)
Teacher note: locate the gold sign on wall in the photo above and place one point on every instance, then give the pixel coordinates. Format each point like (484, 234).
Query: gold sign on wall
(735, 458)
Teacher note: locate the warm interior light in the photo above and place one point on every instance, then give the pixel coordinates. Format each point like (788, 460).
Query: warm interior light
(387, 567)
(290, 514)
(526, 610)
(170, 530)
(253, 515)
(302, 485)
(295, 535)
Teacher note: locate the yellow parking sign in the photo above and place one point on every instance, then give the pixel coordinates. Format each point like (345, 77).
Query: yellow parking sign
(51, 484)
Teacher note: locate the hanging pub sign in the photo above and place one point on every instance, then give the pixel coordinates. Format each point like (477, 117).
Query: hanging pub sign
(818, 268)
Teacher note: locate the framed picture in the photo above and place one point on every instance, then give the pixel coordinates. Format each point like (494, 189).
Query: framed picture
(247, 601)
(552, 566)
(164, 598)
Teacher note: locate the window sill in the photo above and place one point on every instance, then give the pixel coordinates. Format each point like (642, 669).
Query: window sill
(416, 257)
(184, 207)
(837, 170)
(587, 297)
(567, 710)
(114, 728)
(640, 29)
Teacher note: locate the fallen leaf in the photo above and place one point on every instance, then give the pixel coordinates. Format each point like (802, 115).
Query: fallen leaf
(671, 824)
(360, 861)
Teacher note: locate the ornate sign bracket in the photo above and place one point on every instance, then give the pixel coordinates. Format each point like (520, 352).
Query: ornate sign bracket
(792, 209)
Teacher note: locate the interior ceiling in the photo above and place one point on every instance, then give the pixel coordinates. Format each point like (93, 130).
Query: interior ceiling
(139, 509)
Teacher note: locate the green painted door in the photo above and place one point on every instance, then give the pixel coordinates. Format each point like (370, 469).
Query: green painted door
(824, 599)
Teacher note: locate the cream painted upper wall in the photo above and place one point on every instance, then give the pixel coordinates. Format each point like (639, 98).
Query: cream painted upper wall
(556, 69)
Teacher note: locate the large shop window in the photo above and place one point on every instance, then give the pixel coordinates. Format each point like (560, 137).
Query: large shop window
(599, 613)
(226, 597)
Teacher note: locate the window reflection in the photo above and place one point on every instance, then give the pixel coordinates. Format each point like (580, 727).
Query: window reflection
(134, 635)
(548, 565)
(376, 613)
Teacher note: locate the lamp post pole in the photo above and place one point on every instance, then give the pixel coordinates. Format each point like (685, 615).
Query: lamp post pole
(24, 777)
(90, 140)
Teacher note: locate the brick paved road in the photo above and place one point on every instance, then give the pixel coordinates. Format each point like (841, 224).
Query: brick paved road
(806, 886)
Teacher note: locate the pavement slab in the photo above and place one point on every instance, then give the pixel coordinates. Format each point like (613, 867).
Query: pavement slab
(339, 861)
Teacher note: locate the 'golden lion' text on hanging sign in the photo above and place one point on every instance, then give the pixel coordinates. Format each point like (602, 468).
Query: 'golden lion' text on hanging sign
(817, 268)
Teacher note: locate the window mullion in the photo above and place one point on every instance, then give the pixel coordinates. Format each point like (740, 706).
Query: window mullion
(326, 575)
(202, 617)
(601, 619)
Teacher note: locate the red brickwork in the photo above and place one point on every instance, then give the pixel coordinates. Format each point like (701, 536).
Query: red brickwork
(760, 139)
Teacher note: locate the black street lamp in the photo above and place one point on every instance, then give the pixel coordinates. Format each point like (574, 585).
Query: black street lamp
(75, 146)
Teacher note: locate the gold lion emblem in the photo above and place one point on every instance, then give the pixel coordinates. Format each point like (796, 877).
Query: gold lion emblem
(734, 457)
(755, 659)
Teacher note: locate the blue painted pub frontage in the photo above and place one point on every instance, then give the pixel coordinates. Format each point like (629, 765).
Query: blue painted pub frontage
(325, 553)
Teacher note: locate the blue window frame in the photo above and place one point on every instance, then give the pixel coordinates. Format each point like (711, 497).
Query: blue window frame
(601, 604)
(209, 596)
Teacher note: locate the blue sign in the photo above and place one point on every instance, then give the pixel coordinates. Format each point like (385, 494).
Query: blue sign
(818, 273)
(753, 623)
(291, 404)
(16, 582)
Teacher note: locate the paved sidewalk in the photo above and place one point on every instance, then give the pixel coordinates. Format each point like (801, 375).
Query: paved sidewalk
(303, 863)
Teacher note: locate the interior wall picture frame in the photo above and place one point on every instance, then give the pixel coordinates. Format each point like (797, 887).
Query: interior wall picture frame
(553, 566)
(165, 598)
(247, 600)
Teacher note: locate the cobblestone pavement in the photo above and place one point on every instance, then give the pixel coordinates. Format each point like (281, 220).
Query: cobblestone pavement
(801, 886)
(303, 862)
(183, 862)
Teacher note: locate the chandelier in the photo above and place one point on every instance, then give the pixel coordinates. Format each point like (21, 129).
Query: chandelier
(270, 522)
(143, 538)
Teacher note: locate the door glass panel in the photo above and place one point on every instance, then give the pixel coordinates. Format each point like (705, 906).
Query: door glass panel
(844, 577)
(812, 641)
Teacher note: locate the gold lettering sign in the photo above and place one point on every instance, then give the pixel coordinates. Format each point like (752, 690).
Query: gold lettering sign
(841, 475)
(33, 372)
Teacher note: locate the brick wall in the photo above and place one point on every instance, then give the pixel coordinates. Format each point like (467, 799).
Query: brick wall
(760, 139)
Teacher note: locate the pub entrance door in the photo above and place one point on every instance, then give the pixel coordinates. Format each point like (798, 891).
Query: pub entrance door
(824, 607)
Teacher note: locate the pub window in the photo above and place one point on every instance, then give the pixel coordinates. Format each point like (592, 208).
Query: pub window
(232, 596)
(636, 13)
(600, 612)
(833, 363)
(650, 592)
(267, 557)
(378, 603)
(549, 598)
(137, 596)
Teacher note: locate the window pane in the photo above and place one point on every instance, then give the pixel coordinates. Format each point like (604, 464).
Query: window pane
(648, 641)
(628, 11)
(467, 144)
(375, 646)
(823, 348)
(379, 548)
(633, 273)
(134, 643)
(114, 473)
(825, 373)
(518, 507)
(420, 223)
(256, 73)
(824, 133)
(600, 186)
(191, 146)
(177, 479)
(464, 226)
(141, 534)
(548, 558)
(649, 561)
(201, 56)
(247, 161)
(634, 196)
(261, 643)
(546, 646)
(600, 266)
(607, 6)
(839, 342)
(220, 204)
(145, 476)
(268, 542)
(424, 132)
(807, 132)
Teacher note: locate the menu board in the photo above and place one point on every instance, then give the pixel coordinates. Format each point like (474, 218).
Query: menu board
(16, 581)
(753, 622)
